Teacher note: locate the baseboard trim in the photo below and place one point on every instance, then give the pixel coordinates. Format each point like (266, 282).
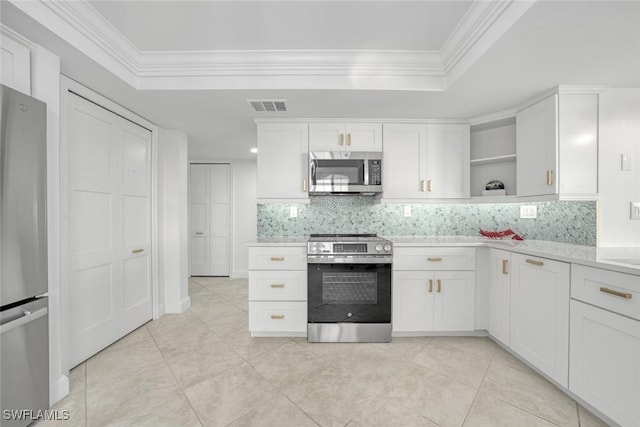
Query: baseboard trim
(58, 390)
(160, 311)
(240, 274)
(177, 307)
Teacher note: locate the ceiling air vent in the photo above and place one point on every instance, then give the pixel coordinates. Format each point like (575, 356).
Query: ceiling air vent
(260, 105)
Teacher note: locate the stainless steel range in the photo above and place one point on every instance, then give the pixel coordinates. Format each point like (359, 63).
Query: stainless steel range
(349, 288)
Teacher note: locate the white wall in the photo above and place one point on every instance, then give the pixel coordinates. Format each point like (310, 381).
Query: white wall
(173, 249)
(619, 134)
(244, 214)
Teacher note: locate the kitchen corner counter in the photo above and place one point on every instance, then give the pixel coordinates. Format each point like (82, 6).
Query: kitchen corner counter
(618, 259)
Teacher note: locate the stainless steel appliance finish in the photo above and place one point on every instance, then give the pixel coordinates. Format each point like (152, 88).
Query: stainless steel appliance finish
(23, 254)
(349, 288)
(345, 172)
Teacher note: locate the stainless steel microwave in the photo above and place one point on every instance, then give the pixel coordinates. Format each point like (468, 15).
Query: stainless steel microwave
(345, 172)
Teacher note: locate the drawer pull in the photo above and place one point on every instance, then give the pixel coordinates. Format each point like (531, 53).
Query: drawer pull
(549, 176)
(277, 316)
(439, 285)
(624, 295)
(430, 185)
(430, 285)
(434, 259)
(277, 258)
(137, 251)
(534, 262)
(423, 186)
(505, 262)
(341, 139)
(277, 285)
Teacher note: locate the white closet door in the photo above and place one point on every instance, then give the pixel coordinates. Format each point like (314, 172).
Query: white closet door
(210, 220)
(108, 207)
(219, 241)
(199, 220)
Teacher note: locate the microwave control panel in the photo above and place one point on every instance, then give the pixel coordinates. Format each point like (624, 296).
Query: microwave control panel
(375, 172)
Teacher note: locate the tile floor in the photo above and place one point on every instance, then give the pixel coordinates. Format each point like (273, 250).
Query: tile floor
(202, 368)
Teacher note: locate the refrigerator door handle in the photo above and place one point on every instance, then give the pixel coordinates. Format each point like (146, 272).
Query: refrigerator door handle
(29, 316)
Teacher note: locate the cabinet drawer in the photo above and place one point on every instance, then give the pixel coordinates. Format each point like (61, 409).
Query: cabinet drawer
(278, 258)
(277, 316)
(277, 285)
(434, 258)
(618, 292)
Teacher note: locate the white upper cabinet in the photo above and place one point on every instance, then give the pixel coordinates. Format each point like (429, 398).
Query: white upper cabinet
(283, 161)
(557, 147)
(345, 137)
(425, 161)
(537, 142)
(16, 65)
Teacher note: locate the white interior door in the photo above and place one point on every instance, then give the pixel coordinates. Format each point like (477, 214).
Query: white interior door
(210, 197)
(109, 229)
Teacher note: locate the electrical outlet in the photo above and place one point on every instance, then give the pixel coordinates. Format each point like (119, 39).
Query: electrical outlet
(407, 211)
(293, 211)
(635, 211)
(529, 212)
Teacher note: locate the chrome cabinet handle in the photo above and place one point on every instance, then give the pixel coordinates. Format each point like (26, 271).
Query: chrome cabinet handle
(505, 262)
(199, 233)
(534, 262)
(624, 295)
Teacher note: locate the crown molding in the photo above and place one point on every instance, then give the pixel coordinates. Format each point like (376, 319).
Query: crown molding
(18, 38)
(494, 117)
(81, 25)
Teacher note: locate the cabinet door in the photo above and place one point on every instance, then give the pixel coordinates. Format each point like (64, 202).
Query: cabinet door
(454, 303)
(605, 369)
(327, 137)
(283, 161)
(448, 161)
(413, 293)
(363, 137)
(537, 146)
(404, 168)
(540, 314)
(500, 295)
(16, 65)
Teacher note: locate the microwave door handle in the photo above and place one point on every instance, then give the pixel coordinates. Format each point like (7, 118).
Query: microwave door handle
(365, 172)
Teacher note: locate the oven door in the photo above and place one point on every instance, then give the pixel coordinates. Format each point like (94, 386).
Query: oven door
(356, 293)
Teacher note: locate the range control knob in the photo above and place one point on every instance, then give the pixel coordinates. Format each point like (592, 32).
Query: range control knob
(378, 247)
(387, 247)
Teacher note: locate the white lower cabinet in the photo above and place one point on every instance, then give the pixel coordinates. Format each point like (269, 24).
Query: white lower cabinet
(539, 326)
(605, 342)
(500, 295)
(277, 290)
(427, 300)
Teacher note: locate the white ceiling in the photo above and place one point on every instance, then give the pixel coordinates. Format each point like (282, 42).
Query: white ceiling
(552, 43)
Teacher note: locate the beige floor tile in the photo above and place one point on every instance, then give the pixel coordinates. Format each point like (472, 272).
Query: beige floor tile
(478, 346)
(194, 339)
(202, 364)
(434, 396)
(253, 347)
(487, 411)
(503, 357)
(229, 396)
(287, 363)
(173, 323)
(587, 419)
(530, 392)
(77, 378)
(382, 412)
(140, 336)
(333, 394)
(72, 407)
(276, 412)
(158, 407)
(404, 347)
(455, 363)
(231, 325)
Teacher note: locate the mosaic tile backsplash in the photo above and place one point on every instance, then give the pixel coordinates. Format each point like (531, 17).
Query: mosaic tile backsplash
(566, 222)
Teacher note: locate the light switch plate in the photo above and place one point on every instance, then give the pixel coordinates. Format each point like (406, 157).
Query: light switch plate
(635, 211)
(407, 211)
(293, 211)
(529, 212)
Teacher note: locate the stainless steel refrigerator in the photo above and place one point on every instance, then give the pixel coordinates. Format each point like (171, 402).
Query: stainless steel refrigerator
(24, 329)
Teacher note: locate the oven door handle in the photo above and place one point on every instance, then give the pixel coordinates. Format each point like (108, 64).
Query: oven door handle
(348, 259)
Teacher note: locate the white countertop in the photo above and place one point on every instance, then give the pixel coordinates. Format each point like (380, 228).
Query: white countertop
(625, 260)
